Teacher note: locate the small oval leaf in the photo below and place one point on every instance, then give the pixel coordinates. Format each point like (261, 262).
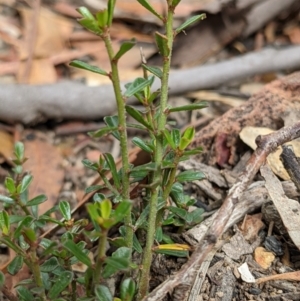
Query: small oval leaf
(126, 46)
(86, 66)
(65, 210)
(25, 183)
(15, 266)
(189, 22)
(60, 284)
(141, 144)
(103, 293)
(77, 252)
(189, 175)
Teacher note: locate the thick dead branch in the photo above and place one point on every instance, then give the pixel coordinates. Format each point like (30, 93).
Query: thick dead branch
(71, 100)
(266, 108)
(266, 145)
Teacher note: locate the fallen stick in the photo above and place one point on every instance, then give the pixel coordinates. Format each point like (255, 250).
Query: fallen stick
(72, 100)
(184, 278)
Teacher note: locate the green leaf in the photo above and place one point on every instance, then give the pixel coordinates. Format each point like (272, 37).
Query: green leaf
(169, 139)
(102, 132)
(60, 284)
(77, 252)
(176, 137)
(19, 151)
(147, 5)
(4, 222)
(182, 213)
(65, 210)
(2, 279)
(47, 218)
(25, 183)
(37, 200)
(138, 116)
(49, 265)
(142, 144)
(187, 138)
(24, 293)
(196, 216)
(162, 44)
(29, 233)
(126, 46)
(151, 166)
(88, 67)
(88, 21)
(153, 96)
(113, 123)
(194, 151)
(189, 22)
(10, 185)
(26, 222)
(175, 3)
(15, 266)
(122, 210)
(118, 262)
(85, 12)
(90, 165)
(127, 289)
(176, 253)
(142, 220)
(99, 197)
(114, 265)
(136, 245)
(154, 70)
(113, 169)
(110, 8)
(158, 234)
(94, 188)
(191, 107)
(137, 86)
(189, 175)
(136, 126)
(102, 18)
(105, 208)
(103, 293)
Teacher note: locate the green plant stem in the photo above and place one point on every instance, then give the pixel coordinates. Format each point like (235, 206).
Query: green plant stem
(101, 253)
(108, 185)
(123, 133)
(147, 258)
(35, 268)
(74, 291)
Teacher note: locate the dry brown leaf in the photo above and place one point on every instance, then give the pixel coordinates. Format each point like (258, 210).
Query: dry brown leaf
(53, 32)
(44, 163)
(293, 32)
(292, 276)
(251, 225)
(42, 72)
(289, 210)
(6, 145)
(263, 257)
(249, 134)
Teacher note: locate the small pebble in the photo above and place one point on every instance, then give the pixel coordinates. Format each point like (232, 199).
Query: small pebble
(254, 291)
(274, 245)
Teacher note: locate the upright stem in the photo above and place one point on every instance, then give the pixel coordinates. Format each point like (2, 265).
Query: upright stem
(146, 264)
(123, 133)
(100, 258)
(35, 268)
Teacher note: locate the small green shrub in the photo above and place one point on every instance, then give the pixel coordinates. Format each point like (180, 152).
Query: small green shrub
(51, 261)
